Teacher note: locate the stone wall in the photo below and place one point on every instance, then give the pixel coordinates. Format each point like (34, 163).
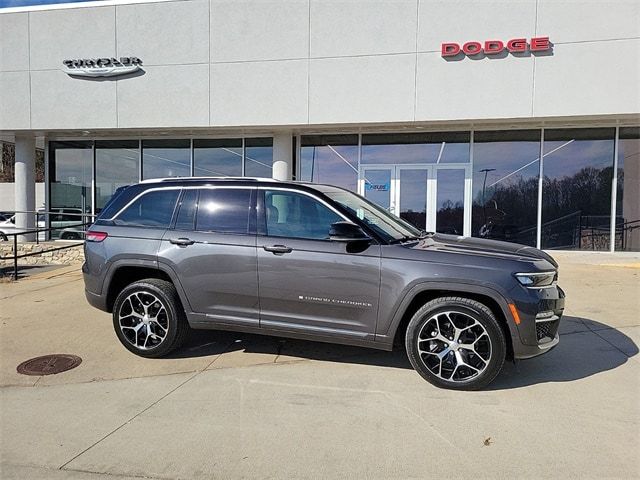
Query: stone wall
(68, 256)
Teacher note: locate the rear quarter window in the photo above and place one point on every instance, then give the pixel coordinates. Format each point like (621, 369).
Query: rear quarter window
(152, 209)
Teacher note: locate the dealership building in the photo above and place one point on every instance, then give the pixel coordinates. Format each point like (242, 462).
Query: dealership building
(515, 120)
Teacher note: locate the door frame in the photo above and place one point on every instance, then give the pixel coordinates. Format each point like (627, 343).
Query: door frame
(432, 188)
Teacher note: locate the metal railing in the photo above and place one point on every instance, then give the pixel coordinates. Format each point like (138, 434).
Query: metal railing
(77, 228)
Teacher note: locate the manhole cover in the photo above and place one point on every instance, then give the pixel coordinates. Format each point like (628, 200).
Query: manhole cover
(49, 364)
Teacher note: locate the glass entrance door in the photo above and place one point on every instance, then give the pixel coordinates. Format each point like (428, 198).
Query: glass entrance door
(413, 196)
(378, 185)
(430, 197)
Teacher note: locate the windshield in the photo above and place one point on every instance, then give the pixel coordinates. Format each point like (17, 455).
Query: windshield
(388, 226)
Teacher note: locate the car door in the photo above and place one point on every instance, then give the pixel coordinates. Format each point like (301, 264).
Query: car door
(212, 250)
(308, 283)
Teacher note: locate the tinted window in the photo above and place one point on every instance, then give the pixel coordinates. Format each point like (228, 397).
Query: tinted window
(628, 197)
(505, 185)
(166, 158)
(331, 159)
(258, 157)
(576, 190)
(407, 148)
(224, 210)
(187, 210)
(217, 157)
(117, 164)
(153, 209)
(290, 214)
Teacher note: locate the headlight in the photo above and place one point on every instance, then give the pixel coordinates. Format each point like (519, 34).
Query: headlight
(537, 279)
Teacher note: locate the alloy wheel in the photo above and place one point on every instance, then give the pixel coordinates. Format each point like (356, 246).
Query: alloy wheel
(454, 346)
(143, 320)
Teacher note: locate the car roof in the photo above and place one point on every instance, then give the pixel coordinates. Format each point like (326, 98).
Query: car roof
(197, 181)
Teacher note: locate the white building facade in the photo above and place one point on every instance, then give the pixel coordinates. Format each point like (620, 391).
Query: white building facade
(516, 120)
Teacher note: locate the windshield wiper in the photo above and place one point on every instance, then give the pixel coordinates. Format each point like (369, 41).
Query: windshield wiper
(407, 238)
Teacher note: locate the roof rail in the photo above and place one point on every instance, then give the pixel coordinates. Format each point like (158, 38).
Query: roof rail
(204, 179)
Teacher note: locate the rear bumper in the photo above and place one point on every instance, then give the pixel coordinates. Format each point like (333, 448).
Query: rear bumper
(96, 300)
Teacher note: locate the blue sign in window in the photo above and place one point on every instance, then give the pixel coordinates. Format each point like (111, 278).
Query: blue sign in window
(377, 187)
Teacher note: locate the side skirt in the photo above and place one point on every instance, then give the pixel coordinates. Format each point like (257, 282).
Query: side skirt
(288, 333)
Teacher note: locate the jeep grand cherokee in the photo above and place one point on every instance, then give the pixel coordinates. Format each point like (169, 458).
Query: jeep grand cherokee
(315, 262)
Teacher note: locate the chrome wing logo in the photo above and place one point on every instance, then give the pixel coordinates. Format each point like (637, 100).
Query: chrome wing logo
(102, 67)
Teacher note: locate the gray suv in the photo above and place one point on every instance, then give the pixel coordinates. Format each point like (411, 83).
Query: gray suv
(315, 262)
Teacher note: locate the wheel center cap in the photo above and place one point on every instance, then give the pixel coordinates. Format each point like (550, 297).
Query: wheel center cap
(454, 346)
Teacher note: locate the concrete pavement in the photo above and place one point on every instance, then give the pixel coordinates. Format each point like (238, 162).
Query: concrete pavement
(244, 406)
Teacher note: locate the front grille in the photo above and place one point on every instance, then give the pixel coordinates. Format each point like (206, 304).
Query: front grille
(546, 330)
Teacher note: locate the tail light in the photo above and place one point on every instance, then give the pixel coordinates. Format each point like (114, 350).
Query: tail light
(96, 236)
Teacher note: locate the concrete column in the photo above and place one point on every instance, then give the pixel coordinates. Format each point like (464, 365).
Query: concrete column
(282, 156)
(25, 185)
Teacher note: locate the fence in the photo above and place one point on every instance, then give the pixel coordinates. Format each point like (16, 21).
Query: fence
(77, 229)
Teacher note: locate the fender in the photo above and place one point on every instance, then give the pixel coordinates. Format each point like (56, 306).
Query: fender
(454, 287)
(152, 264)
(113, 267)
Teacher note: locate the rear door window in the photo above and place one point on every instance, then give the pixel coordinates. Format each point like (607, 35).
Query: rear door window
(224, 210)
(152, 209)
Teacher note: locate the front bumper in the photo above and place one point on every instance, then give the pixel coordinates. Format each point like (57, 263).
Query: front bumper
(540, 313)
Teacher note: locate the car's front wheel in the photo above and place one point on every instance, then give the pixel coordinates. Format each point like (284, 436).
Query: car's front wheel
(456, 343)
(149, 319)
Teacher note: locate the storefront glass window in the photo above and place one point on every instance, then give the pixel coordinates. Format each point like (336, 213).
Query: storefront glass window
(258, 157)
(217, 157)
(506, 167)
(331, 159)
(412, 148)
(576, 190)
(628, 195)
(70, 174)
(117, 165)
(166, 158)
(450, 201)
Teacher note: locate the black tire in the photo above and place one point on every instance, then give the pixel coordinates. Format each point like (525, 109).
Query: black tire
(444, 311)
(70, 236)
(177, 327)
(3, 237)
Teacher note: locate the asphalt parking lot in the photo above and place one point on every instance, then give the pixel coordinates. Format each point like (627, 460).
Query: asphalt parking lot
(242, 406)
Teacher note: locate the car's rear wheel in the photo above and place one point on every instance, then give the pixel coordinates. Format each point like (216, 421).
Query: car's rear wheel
(456, 343)
(3, 237)
(149, 319)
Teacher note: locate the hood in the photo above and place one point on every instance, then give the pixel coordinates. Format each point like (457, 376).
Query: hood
(479, 246)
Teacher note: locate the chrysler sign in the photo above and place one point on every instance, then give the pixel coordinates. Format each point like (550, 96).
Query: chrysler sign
(495, 47)
(102, 67)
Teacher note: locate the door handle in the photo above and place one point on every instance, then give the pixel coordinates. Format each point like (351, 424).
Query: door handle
(278, 249)
(182, 242)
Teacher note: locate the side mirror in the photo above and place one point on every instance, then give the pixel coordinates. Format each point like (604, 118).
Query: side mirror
(347, 232)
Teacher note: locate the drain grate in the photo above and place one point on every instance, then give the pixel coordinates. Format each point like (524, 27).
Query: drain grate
(49, 364)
